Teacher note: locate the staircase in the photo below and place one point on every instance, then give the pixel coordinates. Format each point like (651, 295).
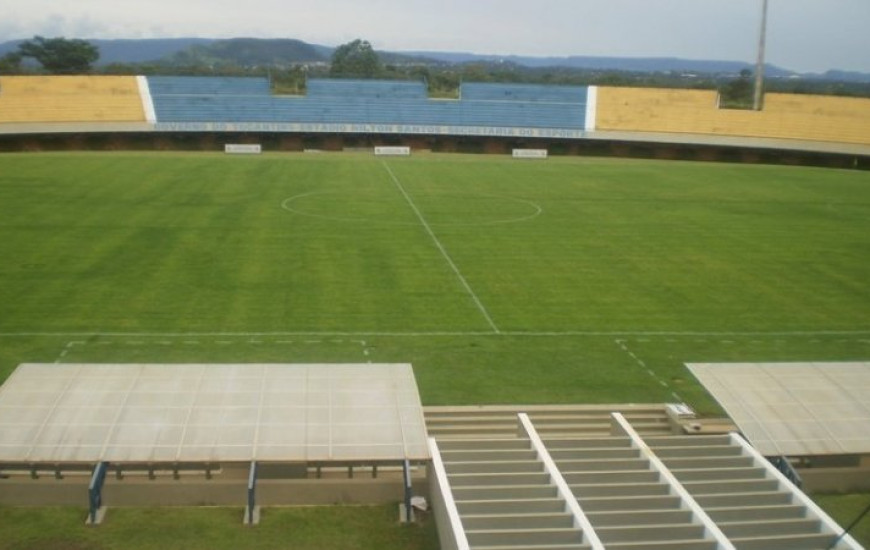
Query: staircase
(625, 499)
(555, 479)
(505, 497)
(738, 489)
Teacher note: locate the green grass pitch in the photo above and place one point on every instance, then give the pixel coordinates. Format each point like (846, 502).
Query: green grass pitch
(570, 280)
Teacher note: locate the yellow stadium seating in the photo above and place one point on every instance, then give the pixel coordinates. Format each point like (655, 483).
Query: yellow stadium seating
(70, 99)
(784, 116)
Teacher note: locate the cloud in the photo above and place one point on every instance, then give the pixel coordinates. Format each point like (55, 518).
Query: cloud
(803, 34)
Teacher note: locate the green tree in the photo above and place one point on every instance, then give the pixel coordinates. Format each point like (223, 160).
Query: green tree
(737, 94)
(356, 59)
(10, 63)
(59, 55)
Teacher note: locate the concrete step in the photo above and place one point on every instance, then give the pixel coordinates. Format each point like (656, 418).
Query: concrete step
(523, 537)
(518, 521)
(554, 443)
(571, 546)
(550, 505)
(652, 430)
(650, 533)
(724, 487)
(593, 465)
(656, 443)
(627, 503)
(516, 492)
(750, 513)
(609, 477)
(499, 479)
(485, 445)
(476, 432)
(768, 528)
(691, 544)
(798, 541)
(506, 455)
(593, 453)
(724, 474)
(707, 462)
(569, 432)
(638, 517)
(499, 422)
(666, 453)
(748, 499)
(480, 467)
(620, 490)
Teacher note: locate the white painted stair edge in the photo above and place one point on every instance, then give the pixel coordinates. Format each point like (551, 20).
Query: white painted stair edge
(564, 491)
(622, 425)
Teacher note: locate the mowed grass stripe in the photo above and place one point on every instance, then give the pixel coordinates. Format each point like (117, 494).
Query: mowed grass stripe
(661, 246)
(183, 243)
(441, 249)
(201, 243)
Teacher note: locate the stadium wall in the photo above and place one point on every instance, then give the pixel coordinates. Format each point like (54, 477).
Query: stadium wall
(70, 99)
(109, 112)
(784, 116)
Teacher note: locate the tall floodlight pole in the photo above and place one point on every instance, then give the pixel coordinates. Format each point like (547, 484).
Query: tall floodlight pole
(759, 66)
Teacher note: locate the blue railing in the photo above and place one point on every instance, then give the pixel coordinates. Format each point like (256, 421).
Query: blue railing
(250, 518)
(95, 491)
(784, 466)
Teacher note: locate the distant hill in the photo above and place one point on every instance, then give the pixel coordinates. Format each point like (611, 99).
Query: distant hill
(629, 64)
(841, 76)
(250, 52)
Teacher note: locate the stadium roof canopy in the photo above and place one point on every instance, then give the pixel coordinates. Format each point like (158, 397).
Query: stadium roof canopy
(211, 413)
(794, 409)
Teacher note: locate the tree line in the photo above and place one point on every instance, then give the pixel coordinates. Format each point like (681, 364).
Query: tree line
(358, 59)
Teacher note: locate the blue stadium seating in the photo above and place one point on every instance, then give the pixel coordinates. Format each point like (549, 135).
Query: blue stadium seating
(489, 91)
(207, 85)
(213, 99)
(385, 89)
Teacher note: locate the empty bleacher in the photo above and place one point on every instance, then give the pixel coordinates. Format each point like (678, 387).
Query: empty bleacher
(379, 89)
(208, 85)
(64, 99)
(535, 93)
(346, 101)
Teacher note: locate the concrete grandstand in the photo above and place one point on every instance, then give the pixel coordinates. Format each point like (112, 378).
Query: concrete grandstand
(342, 113)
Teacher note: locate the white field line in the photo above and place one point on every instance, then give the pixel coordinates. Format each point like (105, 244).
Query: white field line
(642, 364)
(446, 333)
(68, 348)
(441, 249)
(363, 344)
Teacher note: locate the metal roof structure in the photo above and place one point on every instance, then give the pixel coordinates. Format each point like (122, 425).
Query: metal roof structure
(86, 413)
(794, 409)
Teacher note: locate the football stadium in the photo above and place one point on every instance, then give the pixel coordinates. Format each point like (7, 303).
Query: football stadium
(534, 316)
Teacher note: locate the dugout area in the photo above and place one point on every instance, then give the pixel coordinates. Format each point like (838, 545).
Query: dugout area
(565, 476)
(193, 434)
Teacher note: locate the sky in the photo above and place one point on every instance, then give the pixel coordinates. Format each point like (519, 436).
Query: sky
(803, 35)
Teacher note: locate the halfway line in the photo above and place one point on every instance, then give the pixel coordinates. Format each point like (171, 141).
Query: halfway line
(442, 249)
